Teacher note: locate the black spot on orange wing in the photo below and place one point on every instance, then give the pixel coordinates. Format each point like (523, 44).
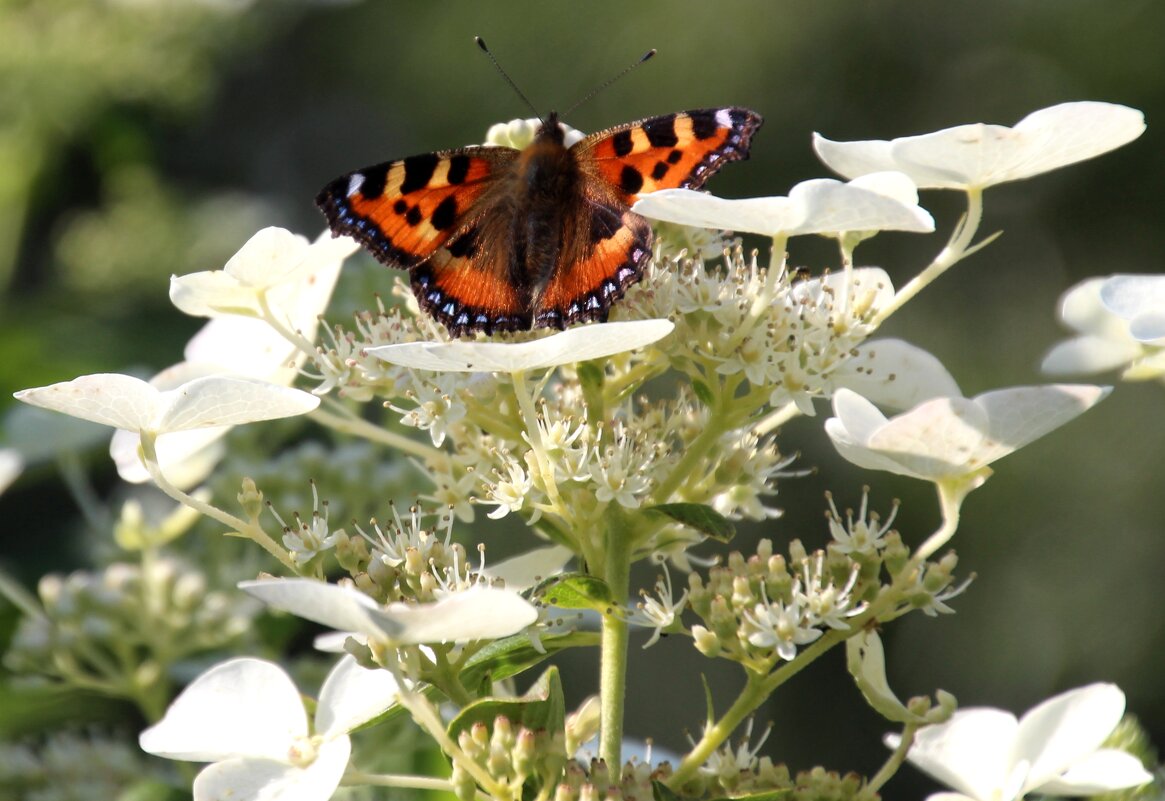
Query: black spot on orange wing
(402, 211)
(584, 285)
(695, 143)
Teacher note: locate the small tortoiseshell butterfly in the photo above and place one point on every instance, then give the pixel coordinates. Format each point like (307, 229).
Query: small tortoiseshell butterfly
(498, 239)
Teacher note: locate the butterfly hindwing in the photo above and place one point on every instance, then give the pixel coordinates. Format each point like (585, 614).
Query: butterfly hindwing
(402, 211)
(681, 150)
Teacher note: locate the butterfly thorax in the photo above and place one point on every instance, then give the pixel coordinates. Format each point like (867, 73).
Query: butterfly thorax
(547, 186)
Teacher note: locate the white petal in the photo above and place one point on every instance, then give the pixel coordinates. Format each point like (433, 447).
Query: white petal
(351, 696)
(110, 399)
(481, 613)
(525, 570)
(892, 184)
(227, 400)
(760, 215)
(242, 707)
(1089, 354)
(1070, 132)
(970, 753)
(210, 293)
(185, 458)
(1149, 327)
(1081, 309)
(858, 417)
(1019, 415)
(895, 374)
(246, 347)
(938, 438)
(1139, 299)
(1099, 772)
(828, 206)
(1066, 728)
(263, 780)
(855, 159)
(333, 642)
(343, 608)
(573, 345)
(866, 661)
(267, 257)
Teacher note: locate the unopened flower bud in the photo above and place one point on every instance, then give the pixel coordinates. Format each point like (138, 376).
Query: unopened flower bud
(251, 500)
(706, 642)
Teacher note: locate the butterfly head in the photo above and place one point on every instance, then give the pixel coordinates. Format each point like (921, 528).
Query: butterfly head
(551, 130)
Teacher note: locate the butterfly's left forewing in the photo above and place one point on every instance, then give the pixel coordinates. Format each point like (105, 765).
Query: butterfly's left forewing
(403, 211)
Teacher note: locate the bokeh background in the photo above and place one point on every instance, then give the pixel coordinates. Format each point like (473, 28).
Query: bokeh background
(143, 138)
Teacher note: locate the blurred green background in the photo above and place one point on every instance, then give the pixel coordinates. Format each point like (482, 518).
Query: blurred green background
(148, 137)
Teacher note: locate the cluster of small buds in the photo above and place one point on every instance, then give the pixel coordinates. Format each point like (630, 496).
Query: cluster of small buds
(511, 754)
(71, 766)
(344, 365)
(163, 609)
(594, 782)
(758, 611)
(405, 559)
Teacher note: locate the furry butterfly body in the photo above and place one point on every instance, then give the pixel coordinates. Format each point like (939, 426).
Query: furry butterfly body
(498, 239)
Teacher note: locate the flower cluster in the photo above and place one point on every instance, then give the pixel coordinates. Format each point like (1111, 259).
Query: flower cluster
(160, 611)
(510, 753)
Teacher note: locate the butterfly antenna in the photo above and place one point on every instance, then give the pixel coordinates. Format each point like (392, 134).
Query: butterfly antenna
(508, 79)
(611, 80)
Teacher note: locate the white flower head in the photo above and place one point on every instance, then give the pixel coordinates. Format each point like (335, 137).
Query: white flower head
(977, 156)
(1055, 749)
(1120, 323)
(658, 611)
(246, 716)
(573, 345)
(519, 134)
(477, 613)
(948, 438)
(821, 206)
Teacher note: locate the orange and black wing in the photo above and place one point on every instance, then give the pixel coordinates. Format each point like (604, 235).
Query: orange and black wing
(681, 150)
(431, 214)
(607, 245)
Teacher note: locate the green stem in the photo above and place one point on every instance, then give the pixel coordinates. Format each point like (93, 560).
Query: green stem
(957, 248)
(892, 764)
(249, 530)
(613, 643)
(348, 423)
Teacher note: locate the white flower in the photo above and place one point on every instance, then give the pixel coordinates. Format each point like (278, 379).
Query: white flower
(1121, 323)
(246, 716)
(577, 344)
(659, 611)
(779, 626)
(275, 270)
(519, 134)
(510, 490)
(1055, 749)
(478, 613)
(946, 438)
(977, 156)
(131, 404)
(821, 206)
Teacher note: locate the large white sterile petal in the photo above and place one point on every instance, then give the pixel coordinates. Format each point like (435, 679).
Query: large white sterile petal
(342, 608)
(1140, 301)
(1062, 730)
(351, 696)
(1020, 415)
(970, 753)
(111, 399)
(480, 613)
(1099, 772)
(268, 257)
(242, 707)
(1089, 354)
(265, 780)
(895, 374)
(576, 344)
(525, 570)
(227, 401)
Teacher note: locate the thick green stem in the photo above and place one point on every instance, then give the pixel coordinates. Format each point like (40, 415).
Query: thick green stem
(613, 642)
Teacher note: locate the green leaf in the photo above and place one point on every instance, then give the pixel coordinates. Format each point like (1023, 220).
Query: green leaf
(699, 516)
(663, 793)
(590, 374)
(703, 393)
(574, 591)
(542, 707)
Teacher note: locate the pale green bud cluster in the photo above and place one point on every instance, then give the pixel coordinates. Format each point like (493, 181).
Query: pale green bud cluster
(69, 766)
(162, 612)
(594, 782)
(511, 754)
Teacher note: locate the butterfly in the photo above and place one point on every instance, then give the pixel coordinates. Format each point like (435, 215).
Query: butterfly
(499, 239)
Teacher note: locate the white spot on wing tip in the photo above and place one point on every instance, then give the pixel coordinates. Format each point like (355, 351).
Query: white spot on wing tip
(354, 183)
(724, 118)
